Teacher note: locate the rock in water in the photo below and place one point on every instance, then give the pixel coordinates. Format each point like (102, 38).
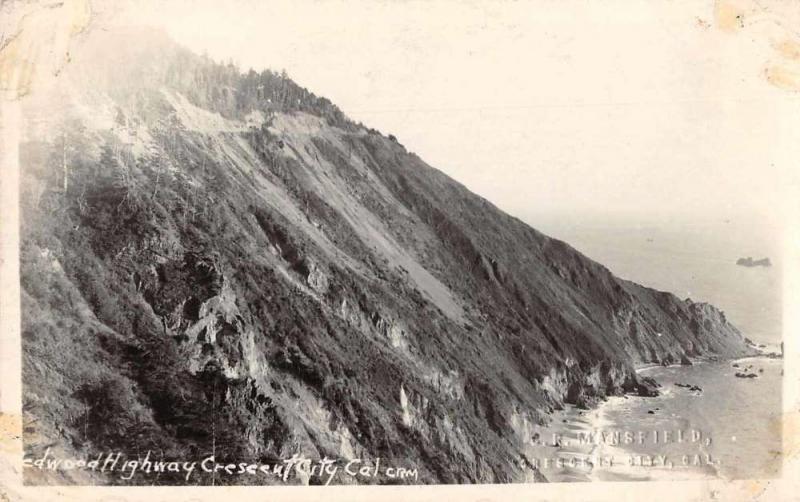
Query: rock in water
(647, 387)
(750, 262)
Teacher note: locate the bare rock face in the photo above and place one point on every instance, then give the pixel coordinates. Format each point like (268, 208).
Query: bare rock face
(647, 387)
(317, 279)
(266, 278)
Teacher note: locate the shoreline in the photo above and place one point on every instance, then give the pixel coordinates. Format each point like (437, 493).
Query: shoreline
(592, 459)
(604, 461)
(758, 353)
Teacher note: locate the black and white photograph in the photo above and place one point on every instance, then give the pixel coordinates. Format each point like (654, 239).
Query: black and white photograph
(446, 242)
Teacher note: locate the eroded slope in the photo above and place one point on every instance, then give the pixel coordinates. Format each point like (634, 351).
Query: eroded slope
(218, 263)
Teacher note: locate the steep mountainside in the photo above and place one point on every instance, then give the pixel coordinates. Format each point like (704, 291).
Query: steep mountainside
(218, 262)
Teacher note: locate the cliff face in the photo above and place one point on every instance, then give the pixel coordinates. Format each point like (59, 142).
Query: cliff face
(216, 262)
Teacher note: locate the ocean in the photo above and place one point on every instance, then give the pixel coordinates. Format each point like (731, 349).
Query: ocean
(690, 259)
(737, 420)
(729, 429)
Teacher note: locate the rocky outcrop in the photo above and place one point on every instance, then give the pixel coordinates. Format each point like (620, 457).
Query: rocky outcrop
(750, 262)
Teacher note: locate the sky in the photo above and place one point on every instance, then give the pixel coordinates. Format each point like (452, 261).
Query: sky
(634, 109)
